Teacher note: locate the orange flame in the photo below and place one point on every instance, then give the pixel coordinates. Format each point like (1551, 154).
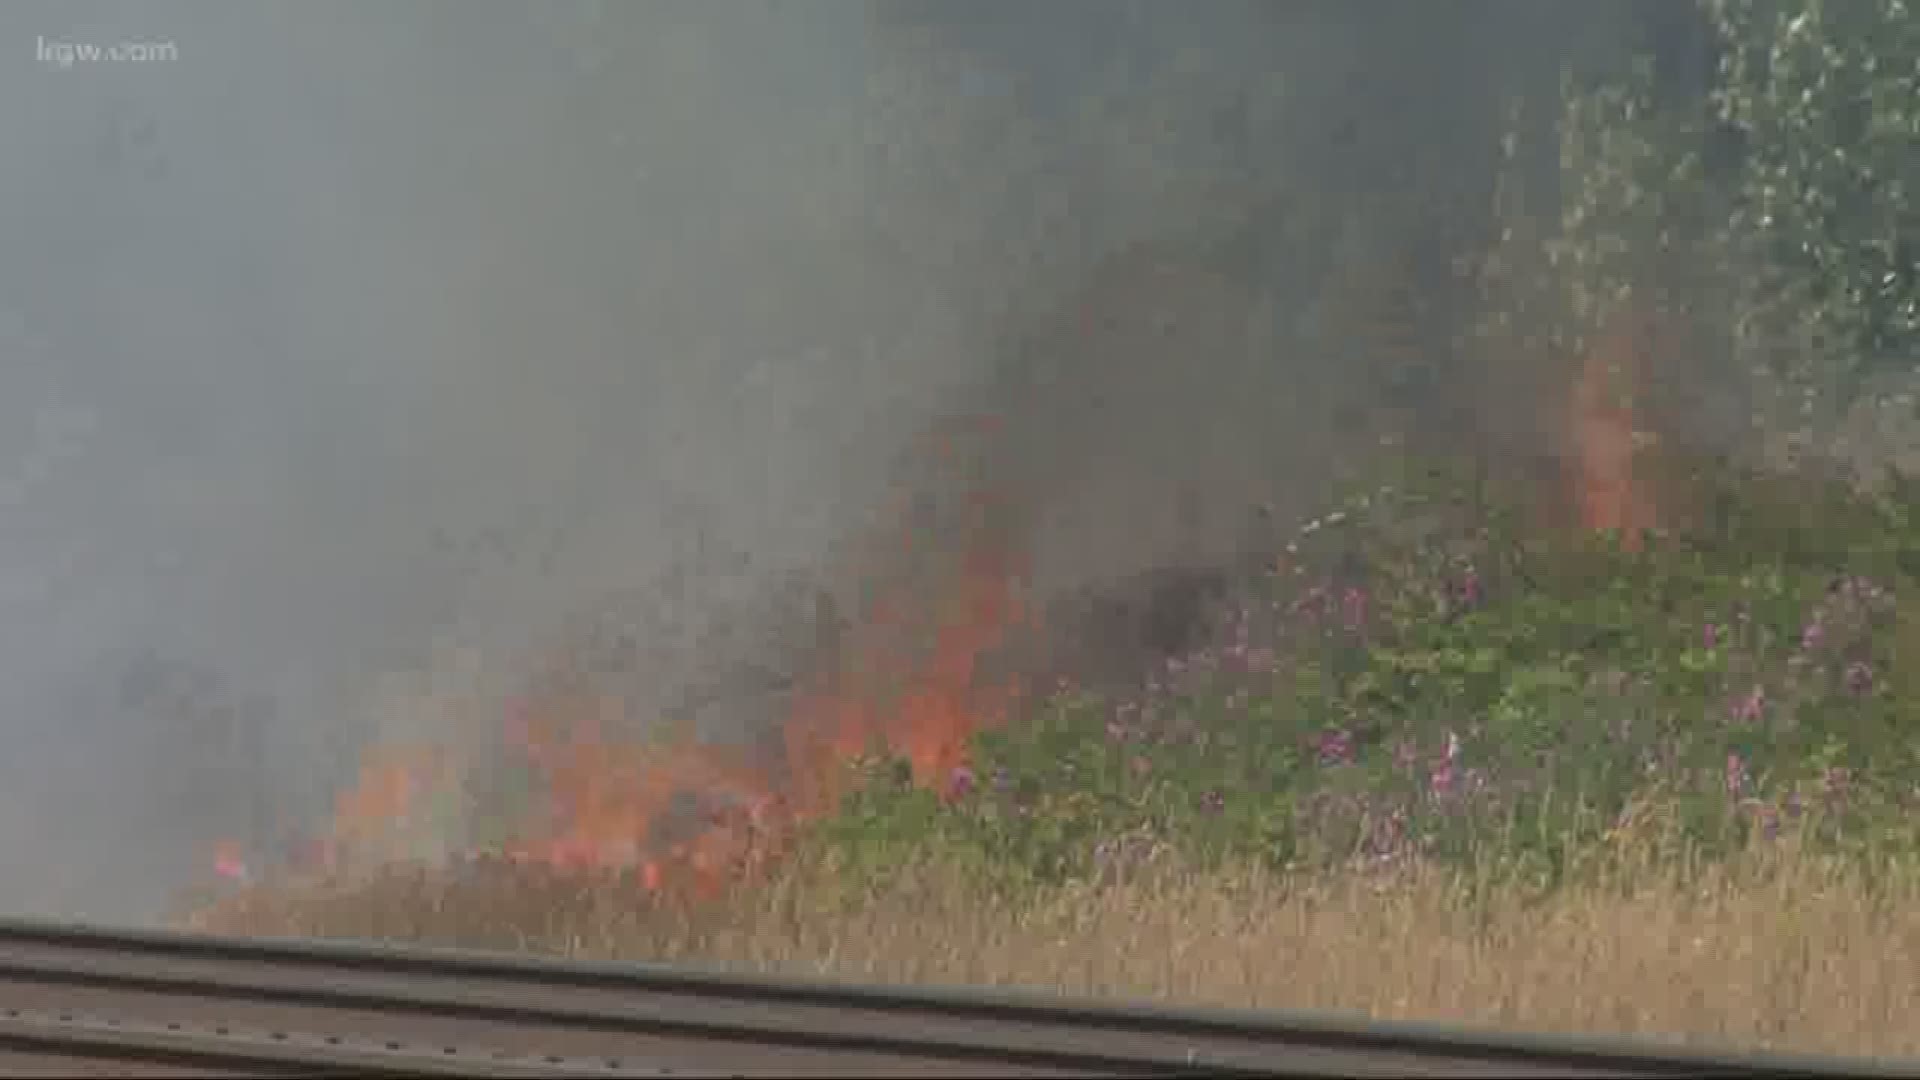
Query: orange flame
(697, 816)
(385, 807)
(924, 704)
(230, 861)
(926, 710)
(611, 804)
(1603, 426)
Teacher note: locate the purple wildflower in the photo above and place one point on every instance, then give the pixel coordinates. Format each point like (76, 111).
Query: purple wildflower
(1353, 608)
(1470, 589)
(1335, 747)
(1749, 707)
(1737, 775)
(961, 783)
(1812, 635)
(1766, 815)
(1709, 636)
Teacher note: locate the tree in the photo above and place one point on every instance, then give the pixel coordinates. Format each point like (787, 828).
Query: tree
(1771, 214)
(1826, 100)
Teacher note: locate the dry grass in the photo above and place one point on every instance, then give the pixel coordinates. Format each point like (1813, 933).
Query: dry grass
(1783, 949)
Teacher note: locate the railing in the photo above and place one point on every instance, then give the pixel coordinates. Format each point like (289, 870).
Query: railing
(163, 1002)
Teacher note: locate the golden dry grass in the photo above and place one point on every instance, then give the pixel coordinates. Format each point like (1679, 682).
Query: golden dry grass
(1781, 949)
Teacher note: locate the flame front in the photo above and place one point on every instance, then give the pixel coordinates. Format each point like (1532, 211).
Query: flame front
(1604, 430)
(609, 804)
(696, 816)
(389, 813)
(925, 707)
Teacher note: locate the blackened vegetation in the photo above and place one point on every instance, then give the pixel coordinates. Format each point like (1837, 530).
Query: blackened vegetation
(1114, 633)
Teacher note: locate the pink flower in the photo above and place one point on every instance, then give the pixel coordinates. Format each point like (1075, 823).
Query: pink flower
(960, 783)
(1737, 776)
(1353, 608)
(1470, 588)
(1335, 747)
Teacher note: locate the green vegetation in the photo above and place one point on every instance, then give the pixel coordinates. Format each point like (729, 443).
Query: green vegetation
(1428, 682)
(1435, 679)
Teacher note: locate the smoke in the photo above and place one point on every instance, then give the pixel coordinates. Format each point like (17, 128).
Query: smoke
(337, 340)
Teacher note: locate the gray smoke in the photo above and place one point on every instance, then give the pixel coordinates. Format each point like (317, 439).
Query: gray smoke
(338, 338)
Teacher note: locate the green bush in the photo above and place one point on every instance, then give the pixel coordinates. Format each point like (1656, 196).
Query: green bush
(1433, 680)
(1430, 682)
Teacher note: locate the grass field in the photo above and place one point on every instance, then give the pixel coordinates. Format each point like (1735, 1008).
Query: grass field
(1779, 948)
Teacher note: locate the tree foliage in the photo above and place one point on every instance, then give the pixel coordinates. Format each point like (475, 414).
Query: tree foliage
(1826, 100)
(1783, 203)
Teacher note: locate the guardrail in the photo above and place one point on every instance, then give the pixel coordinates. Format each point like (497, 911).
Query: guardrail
(210, 1005)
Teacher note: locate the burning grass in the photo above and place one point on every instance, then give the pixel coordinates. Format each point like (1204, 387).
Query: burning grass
(1780, 947)
(1432, 766)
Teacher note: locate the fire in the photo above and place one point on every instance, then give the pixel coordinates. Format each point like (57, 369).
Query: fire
(230, 861)
(926, 709)
(910, 675)
(388, 812)
(693, 816)
(1604, 428)
(611, 805)
(914, 680)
